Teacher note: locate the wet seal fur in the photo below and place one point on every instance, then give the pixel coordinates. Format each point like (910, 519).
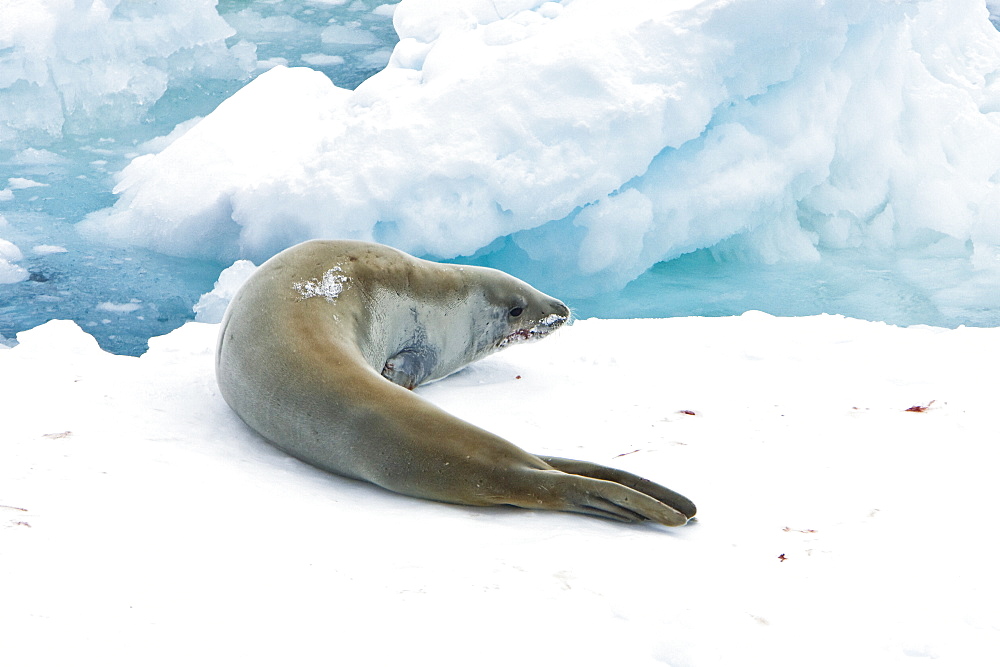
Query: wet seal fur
(319, 348)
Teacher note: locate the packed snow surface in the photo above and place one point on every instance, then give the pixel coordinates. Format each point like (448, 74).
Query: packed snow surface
(842, 470)
(212, 306)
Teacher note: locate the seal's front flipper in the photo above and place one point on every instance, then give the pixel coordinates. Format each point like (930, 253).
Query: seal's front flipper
(652, 489)
(409, 367)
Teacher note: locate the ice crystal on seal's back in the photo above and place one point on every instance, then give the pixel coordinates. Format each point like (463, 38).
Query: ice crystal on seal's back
(329, 286)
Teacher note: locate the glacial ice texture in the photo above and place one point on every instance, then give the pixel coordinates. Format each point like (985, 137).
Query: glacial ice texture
(86, 86)
(636, 158)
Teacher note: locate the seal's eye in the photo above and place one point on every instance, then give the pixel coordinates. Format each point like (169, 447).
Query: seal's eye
(516, 311)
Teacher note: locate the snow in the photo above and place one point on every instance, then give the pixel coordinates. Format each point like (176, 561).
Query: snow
(321, 59)
(110, 307)
(48, 249)
(578, 144)
(10, 272)
(23, 183)
(212, 305)
(329, 286)
(35, 156)
(10, 252)
(136, 509)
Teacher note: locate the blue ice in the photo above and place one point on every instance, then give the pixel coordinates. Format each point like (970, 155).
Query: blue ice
(638, 159)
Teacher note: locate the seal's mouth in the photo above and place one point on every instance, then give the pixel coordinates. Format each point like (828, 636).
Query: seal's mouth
(539, 330)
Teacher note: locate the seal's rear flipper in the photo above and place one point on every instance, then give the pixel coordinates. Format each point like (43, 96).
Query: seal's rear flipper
(652, 489)
(611, 500)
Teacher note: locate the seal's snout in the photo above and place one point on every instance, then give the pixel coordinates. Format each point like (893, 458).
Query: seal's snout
(553, 317)
(550, 322)
(558, 316)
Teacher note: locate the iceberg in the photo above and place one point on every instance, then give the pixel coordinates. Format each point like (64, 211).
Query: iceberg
(88, 85)
(10, 271)
(212, 306)
(72, 68)
(648, 159)
(579, 144)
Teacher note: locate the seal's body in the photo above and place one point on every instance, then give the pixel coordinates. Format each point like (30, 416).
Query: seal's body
(319, 347)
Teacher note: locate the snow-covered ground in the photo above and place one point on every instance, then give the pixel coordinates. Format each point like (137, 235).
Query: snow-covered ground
(141, 523)
(793, 156)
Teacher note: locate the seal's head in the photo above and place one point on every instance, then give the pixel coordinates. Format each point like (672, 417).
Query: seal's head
(520, 313)
(534, 328)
